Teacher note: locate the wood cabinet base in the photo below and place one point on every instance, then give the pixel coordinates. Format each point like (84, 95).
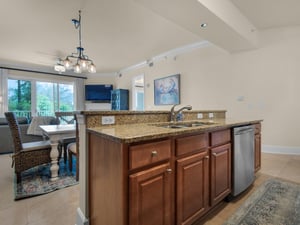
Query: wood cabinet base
(168, 181)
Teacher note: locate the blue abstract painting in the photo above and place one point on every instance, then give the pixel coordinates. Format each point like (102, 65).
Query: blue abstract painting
(167, 90)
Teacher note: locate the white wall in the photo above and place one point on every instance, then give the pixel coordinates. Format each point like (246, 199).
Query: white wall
(104, 78)
(270, 78)
(262, 83)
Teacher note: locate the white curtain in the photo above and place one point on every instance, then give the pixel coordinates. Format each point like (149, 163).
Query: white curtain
(79, 94)
(3, 91)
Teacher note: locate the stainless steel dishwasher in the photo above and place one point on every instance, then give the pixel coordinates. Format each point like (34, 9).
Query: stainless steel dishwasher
(243, 158)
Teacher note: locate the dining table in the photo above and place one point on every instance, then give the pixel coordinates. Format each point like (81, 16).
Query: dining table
(56, 133)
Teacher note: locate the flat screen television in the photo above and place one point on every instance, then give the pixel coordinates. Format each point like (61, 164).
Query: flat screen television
(98, 92)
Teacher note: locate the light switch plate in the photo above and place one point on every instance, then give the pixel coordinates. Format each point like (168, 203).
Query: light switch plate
(210, 115)
(108, 120)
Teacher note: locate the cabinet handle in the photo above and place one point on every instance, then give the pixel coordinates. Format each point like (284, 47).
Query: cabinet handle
(154, 153)
(169, 170)
(206, 157)
(215, 154)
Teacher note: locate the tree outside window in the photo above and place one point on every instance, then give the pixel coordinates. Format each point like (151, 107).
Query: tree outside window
(19, 97)
(50, 97)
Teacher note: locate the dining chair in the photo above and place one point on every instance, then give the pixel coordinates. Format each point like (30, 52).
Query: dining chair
(26, 155)
(64, 118)
(73, 150)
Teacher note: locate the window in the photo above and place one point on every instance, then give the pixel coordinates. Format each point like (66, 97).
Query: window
(19, 97)
(51, 97)
(44, 98)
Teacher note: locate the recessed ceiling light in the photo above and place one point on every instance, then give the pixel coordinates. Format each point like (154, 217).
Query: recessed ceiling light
(203, 25)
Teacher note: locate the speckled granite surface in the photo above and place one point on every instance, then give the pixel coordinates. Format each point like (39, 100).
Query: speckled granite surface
(122, 119)
(94, 118)
(128, 133)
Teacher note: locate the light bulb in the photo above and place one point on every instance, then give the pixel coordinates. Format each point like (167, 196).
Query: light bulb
(77, 68)
(92, 68)
(67, 63)
(83, 64)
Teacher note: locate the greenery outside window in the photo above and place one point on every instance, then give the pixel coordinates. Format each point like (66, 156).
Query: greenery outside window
(44, 98)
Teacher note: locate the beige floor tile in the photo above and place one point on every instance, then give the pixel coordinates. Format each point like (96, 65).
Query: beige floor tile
(6, 183)
(56, 204)
(274, 164)
(16, 214)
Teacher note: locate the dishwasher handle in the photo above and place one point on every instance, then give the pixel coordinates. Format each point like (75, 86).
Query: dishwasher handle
(244, 131)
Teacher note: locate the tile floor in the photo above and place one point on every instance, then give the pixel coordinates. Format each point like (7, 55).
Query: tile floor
(59, 207)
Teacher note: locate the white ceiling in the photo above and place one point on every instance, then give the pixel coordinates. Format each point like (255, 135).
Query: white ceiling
(119, 33)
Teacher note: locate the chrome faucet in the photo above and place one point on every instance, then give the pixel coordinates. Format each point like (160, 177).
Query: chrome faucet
(175, 113)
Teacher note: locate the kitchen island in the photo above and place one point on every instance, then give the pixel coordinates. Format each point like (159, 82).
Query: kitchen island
(154, 173)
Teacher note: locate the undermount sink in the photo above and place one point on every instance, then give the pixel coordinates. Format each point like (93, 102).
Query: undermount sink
(185, 124)
(174, 126)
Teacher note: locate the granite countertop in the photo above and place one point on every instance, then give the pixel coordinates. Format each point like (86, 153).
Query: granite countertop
(130, 133)
(130, 112)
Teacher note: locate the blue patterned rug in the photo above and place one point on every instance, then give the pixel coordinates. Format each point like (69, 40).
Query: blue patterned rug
(36, 181)
(276, 202)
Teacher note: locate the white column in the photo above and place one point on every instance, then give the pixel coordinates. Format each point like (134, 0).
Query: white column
(82, 210)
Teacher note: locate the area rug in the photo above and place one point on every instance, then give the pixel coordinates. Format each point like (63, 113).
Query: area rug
(36, 181)
(276, 202)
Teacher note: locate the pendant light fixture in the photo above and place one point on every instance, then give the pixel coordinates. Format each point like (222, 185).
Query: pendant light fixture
(78, 62)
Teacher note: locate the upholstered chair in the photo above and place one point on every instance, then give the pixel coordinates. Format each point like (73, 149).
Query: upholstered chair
(26, 155)
(73, 150)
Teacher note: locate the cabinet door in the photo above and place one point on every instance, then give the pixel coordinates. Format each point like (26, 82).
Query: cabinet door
(220, 173)
(192, 194)
(150, 197)
(257, 152)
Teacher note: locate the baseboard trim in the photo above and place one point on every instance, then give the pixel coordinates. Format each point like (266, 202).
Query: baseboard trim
(281, 149)
(80, 218)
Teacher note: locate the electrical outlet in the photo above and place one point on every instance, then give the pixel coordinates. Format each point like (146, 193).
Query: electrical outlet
(210, 115)
(200, 116)
(108, 120)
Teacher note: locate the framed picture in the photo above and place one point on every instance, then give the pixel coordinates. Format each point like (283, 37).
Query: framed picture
(167, 90)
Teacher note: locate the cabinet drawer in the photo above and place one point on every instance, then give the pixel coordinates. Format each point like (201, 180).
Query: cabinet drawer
(191, 143)
(220, 137)
(145, 154)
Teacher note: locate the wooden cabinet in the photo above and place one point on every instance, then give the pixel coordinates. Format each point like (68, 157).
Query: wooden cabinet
(168, 181)
(220, 167)
(150, 196)
(192, 185)
(149, 153)
(220, 173)
(192, 178)
(257, 147)
(203, 173)
(107, 186)
(150, 187)
(191, 144)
